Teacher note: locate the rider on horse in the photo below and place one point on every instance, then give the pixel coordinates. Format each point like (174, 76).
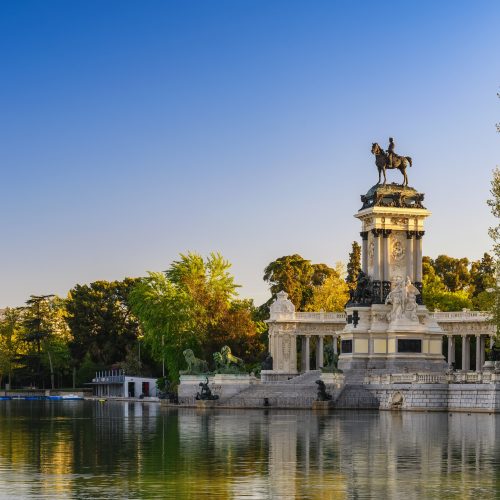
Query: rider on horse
(390, 151)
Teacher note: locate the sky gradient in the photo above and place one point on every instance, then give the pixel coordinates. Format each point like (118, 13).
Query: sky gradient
(132, 131)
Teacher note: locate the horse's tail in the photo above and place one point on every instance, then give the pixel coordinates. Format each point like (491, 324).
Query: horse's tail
(409, 159)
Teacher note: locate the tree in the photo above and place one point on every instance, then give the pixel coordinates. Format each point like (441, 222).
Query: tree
(332, 295)
(354, 265)
(453, 272)
(193, 305)
(436, 295)
(482, 274)
(45, 328)
(11, 341)
(296, 276)
(101, 321)
(494, 233)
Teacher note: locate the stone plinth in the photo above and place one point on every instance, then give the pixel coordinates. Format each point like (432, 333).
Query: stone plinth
(322, 405)
(223, 385)
(333, 379)
(388, 328)
(205, 404)
(275, 376)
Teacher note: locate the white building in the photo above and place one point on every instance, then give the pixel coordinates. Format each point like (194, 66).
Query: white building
(115, 383)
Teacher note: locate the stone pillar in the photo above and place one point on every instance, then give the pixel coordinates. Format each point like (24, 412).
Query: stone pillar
(305, 354)
(479, 366)
(483, 351)
(377, 274)
(335, 345)
(418, 256)
(451, 350)
(319, 352)
(364, 251)
(409, 255)
(376, 254)
(386, 284)
(465, 353)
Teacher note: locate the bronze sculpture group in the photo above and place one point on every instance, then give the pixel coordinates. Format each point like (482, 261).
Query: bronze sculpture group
(390, 160)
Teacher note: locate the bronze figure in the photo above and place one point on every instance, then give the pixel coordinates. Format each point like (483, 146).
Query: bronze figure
(390, 160)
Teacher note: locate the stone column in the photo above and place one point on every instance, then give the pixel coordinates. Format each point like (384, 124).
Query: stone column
(335, 345)
(319, 352)
(409, 255)
(465, 353)
(376, 254)
(418, 256)
(479, 366)
(364, 251)
(451, 350)
(377, 275)
(483, 351)
(305, 354)
(386, 285)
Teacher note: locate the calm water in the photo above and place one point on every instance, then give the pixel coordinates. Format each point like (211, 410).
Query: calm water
(134, 450)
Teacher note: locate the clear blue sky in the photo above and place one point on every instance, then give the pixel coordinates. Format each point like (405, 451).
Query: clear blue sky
(132, 131)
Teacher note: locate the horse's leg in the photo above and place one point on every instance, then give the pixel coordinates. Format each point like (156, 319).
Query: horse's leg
(385, 177)
(379, 173)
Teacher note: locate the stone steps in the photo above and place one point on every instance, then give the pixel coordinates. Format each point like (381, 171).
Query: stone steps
(299, 392)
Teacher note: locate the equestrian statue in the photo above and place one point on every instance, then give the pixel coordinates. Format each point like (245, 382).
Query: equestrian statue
(390, 160)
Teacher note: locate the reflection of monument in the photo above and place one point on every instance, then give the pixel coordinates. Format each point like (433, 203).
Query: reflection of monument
(388, 328)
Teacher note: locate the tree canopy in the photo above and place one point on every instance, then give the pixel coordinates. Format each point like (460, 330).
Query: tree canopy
(193, 305)
(299, 278)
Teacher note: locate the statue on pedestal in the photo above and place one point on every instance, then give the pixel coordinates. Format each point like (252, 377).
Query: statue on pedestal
(390, 160)
(322, 394)
(403, 298)
(205, 394)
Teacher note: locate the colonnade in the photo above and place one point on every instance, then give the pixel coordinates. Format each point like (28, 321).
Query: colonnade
(387, 249)
(466, 350)
(320, 346)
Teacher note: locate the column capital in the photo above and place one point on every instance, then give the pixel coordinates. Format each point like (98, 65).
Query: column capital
(410, 234)
(419, 234)
(364, 235)
(386, 232)
(377, 232)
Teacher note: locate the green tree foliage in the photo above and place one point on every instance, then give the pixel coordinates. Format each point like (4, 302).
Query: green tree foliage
(494, 233)
(332, 294)
(454, 273)
(298, 277)
(437, 296)
(353, 265)
(11, 342)
(101, 321)
(193, 305)
(47, 333)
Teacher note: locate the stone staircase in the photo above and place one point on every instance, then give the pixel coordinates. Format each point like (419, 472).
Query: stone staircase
(298, 392)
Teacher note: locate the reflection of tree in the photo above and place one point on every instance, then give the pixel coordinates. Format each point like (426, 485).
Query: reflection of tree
(137, 450)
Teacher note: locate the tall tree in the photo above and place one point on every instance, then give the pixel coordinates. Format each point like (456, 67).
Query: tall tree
(453, 272)
(298, 277)
(193, 306)
(11, 341)
(332, 294)
(436, 296)
(46, 330)
(354, 265)
(101, 321)
(494, 233)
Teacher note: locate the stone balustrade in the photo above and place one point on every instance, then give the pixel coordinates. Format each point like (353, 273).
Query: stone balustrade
(340, 317)
(457, 377)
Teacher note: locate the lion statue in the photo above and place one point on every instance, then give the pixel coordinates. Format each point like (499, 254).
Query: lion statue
(225, 361)
(195, 365)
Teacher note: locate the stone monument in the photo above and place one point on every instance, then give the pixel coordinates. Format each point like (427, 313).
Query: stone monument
(387, 327)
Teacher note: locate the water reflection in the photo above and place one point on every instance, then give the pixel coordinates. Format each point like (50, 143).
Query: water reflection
(136, 450)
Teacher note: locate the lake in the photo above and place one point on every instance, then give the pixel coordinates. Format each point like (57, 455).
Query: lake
(87, 449)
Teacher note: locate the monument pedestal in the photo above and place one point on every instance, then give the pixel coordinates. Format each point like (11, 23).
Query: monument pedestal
(388, 329)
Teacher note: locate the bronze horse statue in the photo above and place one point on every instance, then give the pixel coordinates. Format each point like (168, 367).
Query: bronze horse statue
(382, 162)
